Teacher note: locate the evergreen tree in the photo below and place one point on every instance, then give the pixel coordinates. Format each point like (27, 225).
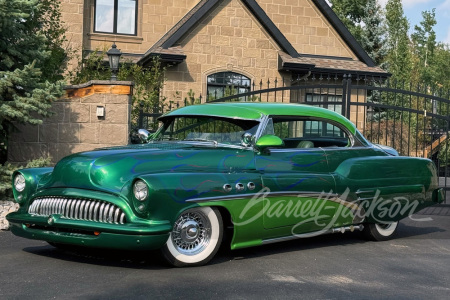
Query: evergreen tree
(351, 13)
(31, 62)
(424, 45)
(398, 56)
(373, 32)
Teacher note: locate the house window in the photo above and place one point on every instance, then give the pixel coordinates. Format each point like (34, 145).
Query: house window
(326, 101)
(115, 16)
(225, 84)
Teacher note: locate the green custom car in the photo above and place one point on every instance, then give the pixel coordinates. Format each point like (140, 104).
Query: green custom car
(258, 173)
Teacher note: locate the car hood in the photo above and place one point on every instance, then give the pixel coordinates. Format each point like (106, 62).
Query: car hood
(110, 169)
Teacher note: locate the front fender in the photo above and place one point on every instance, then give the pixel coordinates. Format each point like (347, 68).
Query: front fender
(33, 177)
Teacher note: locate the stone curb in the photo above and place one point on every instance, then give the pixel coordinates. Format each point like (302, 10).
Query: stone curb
(6, 207)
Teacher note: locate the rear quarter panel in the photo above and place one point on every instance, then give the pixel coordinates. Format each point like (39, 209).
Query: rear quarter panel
(389, 187)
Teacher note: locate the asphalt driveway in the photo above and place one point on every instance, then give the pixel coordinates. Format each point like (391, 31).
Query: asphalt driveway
(414, 265)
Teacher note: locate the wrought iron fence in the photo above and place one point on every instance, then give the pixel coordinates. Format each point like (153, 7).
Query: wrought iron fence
(415, 120)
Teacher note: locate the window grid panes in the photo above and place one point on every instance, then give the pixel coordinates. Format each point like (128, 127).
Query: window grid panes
(318, 98)
(225, 84)
(115, 16)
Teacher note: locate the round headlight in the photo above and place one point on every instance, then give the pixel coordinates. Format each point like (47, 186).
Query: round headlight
(19, 182)
(140, 190)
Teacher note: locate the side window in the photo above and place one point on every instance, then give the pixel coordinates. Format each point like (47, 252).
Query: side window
(322, 129)
(269, 128)
(307, 133)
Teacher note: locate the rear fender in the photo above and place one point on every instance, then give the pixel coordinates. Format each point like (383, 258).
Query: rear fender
(388, 188)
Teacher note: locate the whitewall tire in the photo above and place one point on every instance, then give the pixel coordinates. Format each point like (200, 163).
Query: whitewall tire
(195, 238)
(380, 232)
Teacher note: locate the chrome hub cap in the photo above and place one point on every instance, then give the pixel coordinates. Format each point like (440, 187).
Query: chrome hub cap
(191, 233)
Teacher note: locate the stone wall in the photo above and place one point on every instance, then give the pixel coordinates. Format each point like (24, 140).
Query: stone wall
(75, 126)
(6, 207)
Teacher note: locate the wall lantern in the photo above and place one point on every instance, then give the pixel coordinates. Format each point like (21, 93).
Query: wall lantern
(114, 57)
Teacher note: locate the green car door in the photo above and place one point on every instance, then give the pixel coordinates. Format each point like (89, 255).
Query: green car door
(296, 180)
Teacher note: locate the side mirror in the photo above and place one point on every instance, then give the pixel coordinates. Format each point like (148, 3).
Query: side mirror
(247, 139)
(269, 140)
(143, 135)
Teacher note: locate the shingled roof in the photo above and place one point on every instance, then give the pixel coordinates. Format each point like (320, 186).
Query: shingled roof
(326, 64)
(290, 60)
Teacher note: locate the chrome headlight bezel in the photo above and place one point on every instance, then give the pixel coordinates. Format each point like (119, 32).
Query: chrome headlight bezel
(140, 190)
(19, 183)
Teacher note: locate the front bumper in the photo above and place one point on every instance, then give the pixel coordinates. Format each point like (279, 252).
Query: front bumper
(91, 234)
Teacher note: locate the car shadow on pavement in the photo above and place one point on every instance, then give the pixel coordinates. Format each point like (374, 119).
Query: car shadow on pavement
(153, 259)
(103, 257)
(419, 230)
(404, 231)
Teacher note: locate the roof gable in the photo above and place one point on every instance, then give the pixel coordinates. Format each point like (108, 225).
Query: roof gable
(166, 47)
(337, 24)
(166, 44)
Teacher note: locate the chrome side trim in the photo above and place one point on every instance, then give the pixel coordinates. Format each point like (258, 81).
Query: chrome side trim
(250, 195)
(314, 233)
(345, 148)
(284, 238)
(295, 150)
(357, 210)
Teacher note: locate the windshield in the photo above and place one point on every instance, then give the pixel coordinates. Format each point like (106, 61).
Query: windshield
(206, 128)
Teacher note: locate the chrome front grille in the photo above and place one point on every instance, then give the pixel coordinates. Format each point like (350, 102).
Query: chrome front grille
(78, 209)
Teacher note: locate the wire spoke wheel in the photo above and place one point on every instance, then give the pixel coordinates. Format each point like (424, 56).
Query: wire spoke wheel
(191, 233)
(195, 238)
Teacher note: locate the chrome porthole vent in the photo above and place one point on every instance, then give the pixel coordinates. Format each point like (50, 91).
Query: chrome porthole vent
(239, 187)
(227, 187)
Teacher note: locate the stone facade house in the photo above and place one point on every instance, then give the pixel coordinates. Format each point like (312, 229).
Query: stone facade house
(207, 42)
(207, 46)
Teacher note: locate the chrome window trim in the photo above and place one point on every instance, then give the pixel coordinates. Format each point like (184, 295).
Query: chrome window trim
(250, 195)
(262, 127)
